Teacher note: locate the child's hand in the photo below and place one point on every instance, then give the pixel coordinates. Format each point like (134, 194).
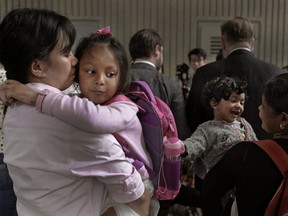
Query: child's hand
(5, 94)
(184, 152)
(11, 90)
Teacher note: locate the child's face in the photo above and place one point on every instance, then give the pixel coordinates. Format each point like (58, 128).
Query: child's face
(98, 74)
(196, 62)
(231, 109)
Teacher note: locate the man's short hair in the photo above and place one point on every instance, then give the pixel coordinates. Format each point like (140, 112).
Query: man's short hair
(143, 43)
(199, 52)
(237, 30)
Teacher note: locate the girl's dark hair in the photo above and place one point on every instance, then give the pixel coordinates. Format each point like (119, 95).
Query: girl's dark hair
(29, 34)
(276, 93)
(221, 87)
(116, 49)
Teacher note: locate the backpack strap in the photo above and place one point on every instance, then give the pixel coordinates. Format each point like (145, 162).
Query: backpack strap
(125, 146)
(122, 97)
(137, 164)
(280, 158)
(143, 87)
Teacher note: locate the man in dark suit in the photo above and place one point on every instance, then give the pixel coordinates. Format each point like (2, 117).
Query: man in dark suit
(146, 50)
(237, 44)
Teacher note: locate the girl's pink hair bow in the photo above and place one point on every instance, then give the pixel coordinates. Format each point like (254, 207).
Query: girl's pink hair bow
(104, 31)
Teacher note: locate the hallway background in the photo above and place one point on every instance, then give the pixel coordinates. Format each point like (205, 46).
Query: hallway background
(182, 24)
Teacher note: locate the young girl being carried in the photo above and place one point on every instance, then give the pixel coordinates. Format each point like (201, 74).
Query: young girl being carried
(224, 98)
(103, 76)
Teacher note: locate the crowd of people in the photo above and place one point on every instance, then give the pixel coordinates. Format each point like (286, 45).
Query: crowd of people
(59, 155)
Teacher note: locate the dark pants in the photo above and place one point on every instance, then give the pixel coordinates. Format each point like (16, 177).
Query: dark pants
(7, 196)
(187, 197)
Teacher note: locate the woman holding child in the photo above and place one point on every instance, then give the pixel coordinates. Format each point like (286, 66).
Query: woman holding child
(56, 168)
(246, 166)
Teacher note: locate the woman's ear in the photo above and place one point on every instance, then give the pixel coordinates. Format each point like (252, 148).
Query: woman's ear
(37, 69)
(157, 50)
(213, 103)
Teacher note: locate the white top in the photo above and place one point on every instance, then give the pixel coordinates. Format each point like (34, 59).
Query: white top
(59, 170)
(2, 79)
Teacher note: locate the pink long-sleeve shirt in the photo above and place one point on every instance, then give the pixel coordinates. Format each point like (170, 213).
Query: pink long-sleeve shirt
(118, 117)
(59, 170)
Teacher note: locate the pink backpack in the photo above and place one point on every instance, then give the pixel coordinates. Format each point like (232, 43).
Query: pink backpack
(161, 140)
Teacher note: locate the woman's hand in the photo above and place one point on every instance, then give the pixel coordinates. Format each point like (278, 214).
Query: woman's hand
(11, 90)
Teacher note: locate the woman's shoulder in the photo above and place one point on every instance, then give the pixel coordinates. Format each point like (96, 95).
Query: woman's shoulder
(239, 151)
(40, 87)
(246, 149)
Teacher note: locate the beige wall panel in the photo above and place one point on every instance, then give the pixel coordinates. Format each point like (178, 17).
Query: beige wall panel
(177, 21)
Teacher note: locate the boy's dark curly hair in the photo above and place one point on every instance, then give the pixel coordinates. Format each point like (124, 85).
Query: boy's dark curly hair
(221, 87)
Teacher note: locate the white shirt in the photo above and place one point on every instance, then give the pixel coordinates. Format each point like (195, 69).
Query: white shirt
(239, 48)
(59, 170)
(143, 61)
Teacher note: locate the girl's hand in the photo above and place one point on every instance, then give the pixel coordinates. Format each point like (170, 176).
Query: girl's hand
(11, 90)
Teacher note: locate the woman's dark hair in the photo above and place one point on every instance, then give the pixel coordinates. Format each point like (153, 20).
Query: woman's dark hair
(221, 88)
(29, 34)
(116, 49)
(276, 93)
